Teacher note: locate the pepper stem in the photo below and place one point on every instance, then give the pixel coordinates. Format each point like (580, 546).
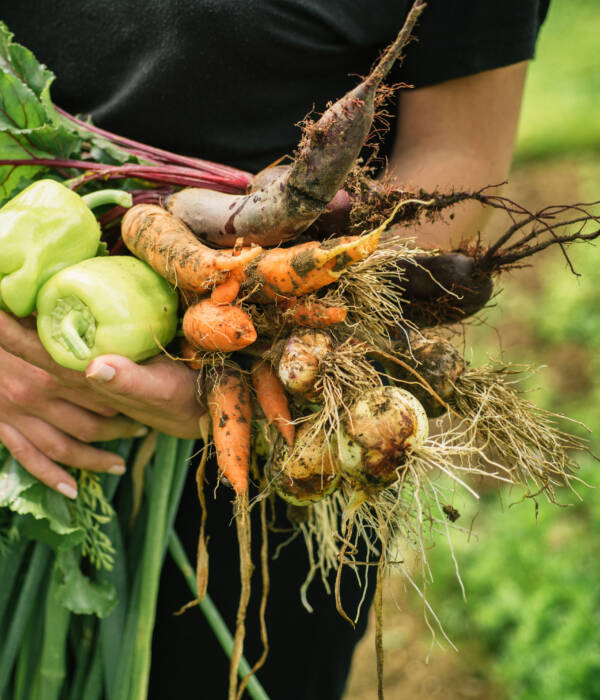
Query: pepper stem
(97, 199)
(72, 326)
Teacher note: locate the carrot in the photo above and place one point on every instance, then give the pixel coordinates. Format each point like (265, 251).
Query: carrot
(171, 249)
(304, 268)
(229, 407)
(287, 205)
(311, 313)
(228, 400)
(225, 292)
(193, 359)
(272, 399)
(225, 328)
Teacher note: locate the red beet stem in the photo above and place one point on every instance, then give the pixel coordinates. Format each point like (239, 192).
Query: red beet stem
(240, 178)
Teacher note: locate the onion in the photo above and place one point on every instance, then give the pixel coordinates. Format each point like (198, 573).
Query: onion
(440, 364)
(378, 434)
(298, 367)
(308, 473)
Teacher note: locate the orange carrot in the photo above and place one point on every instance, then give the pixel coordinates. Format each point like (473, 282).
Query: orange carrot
(230, 411)
(225, 292)
(171, 249)
(229, 407)
(193, 359)
(272, 399)
(304, 268)
(227, 328)
(311, 313)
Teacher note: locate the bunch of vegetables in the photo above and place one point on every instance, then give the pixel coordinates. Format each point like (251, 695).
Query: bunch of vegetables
(315, 356)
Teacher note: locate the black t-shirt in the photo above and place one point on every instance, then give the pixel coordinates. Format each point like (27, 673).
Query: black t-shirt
(228, 80)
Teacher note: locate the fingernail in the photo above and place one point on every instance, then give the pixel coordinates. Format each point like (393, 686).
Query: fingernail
(117, 469)
(101, 373)
(67, 490)
(141, 431)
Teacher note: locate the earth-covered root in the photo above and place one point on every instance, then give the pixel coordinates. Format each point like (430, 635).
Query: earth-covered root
(436, 361)
(286, 205)
(381, 524)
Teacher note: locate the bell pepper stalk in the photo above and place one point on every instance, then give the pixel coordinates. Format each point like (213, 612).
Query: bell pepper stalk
(105, 305)
(44, 229)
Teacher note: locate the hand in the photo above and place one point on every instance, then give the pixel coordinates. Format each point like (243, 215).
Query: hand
(48, 414)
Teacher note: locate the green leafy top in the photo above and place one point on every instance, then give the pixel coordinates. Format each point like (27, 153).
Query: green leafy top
(32, 127)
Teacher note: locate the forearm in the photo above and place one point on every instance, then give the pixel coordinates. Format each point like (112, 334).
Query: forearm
(445, 171)
(458, 135)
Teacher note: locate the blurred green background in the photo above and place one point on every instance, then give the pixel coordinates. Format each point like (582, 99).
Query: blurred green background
(533, 586)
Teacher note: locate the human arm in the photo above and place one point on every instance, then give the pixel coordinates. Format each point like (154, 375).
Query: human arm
(457, 135)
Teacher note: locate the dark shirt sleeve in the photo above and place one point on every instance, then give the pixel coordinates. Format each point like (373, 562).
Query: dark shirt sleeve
(463, 37)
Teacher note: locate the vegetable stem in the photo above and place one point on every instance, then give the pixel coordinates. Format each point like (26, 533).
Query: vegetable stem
(72, 327)
(213, 617)
(52, 669)
(166, 463)
(26, 602)
(97, 199)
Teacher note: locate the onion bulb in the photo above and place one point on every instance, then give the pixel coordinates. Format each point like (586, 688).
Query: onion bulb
(298, 367)
(378, 433)
(308, 473)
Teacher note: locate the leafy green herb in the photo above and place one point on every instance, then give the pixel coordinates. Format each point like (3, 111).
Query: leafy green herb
(90, 511)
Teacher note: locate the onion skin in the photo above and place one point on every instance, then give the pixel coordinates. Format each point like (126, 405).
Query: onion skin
(311, 474)
(440, 364)
(380, 431)
(298, 366)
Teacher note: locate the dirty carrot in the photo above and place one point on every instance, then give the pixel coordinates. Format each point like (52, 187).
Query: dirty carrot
(229, 406)
(168, 246)
(231, 415)
(272, 399)
(224, 328)
(225, 292)
(193, 358)
(311, 313)
(304, 268)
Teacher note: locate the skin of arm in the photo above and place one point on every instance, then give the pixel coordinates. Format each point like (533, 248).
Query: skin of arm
(458, 134)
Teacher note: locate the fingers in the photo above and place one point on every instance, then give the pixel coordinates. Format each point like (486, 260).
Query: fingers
(86, 426)
(19, 338)
(36, 463)
(160, 393)
(154, 383)
(26, 390)
(59, 447)
(45, 446)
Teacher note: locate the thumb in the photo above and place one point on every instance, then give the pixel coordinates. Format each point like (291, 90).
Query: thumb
(149, 383)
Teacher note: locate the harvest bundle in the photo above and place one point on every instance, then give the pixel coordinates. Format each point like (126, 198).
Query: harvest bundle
(307, 314)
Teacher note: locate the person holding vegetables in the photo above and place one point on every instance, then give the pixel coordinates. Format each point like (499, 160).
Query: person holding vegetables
(228, 82)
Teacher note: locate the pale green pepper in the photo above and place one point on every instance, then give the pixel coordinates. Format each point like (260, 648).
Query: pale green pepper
(106, 305)
(43, 229)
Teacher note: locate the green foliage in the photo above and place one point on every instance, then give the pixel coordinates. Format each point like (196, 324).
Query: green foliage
(30, 126)
(91, 511)
(533, 597)
(562, 98)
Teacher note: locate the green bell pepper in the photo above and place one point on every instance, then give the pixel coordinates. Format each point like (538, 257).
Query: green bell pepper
(45, 228)
(105, 305)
